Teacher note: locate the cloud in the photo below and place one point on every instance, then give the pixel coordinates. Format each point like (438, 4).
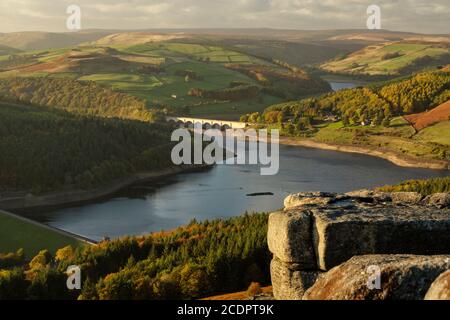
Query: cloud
(156, 8)
(407, 15)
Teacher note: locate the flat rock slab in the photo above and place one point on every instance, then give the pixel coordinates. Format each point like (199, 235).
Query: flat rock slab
(322, 230)
(440, 288)
(341, 233)
(405, 277)
(406, 197)
(308, 198)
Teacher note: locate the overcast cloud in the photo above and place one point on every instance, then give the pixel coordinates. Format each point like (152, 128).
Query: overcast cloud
(423, 16)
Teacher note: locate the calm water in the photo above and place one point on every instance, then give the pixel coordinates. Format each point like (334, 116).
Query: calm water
(222, 192)
(335, 86)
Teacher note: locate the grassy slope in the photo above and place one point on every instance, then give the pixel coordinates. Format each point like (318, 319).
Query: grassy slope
(400, 138)
(5, 50)
(369, 60)
(423, 120)
(118, 69)
(16, 233)
(294, 53)
(32, 40)
(438, 133)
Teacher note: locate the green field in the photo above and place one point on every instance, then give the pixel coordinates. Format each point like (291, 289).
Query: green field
(388, 59)
(16, 233)
(186, 51)
(229, 110)
(120, 67)
(438, 133)
(400, 137)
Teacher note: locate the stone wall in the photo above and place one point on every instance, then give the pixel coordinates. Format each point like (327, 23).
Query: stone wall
(318, 231)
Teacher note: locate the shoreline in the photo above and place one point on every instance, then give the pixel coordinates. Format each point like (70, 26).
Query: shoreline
(71, 198)
(28, 203)
(391, 156)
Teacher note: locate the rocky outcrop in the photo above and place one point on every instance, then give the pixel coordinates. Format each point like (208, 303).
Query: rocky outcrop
(290, 239)
(403, 277)
(441, 200)
(308, 198)
(339, 234)
(318, 231)
(291, 281)
(406, 197)
(440, 288)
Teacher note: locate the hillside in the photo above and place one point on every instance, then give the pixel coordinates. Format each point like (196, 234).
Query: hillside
(86, 98)
(353, 38)
(294, 35)
(162, 67)
(44, 149)
(163, 72)
(295, 53)
(371, 118)
(193, 261)
(5, 50)
(197, 260)
(425, 119)
(438, 133)
(134, 38)
(391, 58)
(19, 233)
(36, 40)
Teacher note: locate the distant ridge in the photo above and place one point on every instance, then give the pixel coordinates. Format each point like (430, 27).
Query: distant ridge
(7, 50)
(38, 40)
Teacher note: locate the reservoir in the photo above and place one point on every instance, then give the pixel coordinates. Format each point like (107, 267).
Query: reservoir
(225, 191)
(339, 85)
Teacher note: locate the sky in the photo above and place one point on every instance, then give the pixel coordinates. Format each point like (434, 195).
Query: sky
(424, 16)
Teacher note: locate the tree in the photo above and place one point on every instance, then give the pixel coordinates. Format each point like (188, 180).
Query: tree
(13, 284)
(386, 122)
(66, 253)
(194, 281)
(42, 259)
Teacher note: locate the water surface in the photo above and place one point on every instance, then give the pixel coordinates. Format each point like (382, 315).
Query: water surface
(338, 85)
(222, 192)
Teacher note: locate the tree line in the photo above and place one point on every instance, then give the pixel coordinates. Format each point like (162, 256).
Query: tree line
(85, 98)
(193, 261)
(290, 83)
(370, 105)
(45, 149)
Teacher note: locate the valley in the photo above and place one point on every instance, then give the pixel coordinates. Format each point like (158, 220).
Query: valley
(85, 148)
(164, 72)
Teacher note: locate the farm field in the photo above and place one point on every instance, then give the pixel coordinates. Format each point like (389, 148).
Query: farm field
(162, 73)
(437, 133)
(400, 137)
(390, 58)
(231, 110)
(16, 233)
